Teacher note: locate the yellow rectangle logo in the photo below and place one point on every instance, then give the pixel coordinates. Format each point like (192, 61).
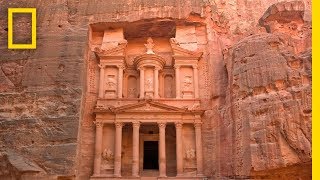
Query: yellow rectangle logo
(33, 44)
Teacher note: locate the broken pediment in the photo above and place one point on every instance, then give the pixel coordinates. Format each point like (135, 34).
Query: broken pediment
(118, 50)
(179, 52)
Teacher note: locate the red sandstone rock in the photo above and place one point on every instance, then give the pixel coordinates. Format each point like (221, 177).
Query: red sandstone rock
(254, 85)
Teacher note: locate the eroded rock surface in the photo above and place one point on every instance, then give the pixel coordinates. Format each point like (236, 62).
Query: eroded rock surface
(269, 104)
(257, 57)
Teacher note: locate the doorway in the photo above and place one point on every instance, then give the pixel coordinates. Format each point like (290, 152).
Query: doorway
(150, 155)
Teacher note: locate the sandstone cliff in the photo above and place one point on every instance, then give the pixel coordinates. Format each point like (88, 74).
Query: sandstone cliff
(259, 58)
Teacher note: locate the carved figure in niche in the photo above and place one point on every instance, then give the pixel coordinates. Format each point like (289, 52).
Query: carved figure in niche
(187, 83)
(149, 46)
(168, 92)
(149, 84)
(190, 154)
(132, 92)
(111, 82)
(107, 155)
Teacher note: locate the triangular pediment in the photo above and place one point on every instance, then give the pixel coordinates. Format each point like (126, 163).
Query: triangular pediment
(147, 106)
(178, 51)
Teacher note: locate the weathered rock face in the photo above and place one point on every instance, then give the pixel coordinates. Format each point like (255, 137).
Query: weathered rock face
(259, 122)
(269, 104)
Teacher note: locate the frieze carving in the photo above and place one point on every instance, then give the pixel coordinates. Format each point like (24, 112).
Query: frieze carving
(195, 106)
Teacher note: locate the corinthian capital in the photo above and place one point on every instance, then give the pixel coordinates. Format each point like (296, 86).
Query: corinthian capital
(197, 124)
(178, 125)
(136, 124)
(177, 66)
(98, 124)
(121, 67)
(119, 124)
(162, 124)
(101, 66)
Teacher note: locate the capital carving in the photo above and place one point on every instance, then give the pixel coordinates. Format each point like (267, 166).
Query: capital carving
(119, 124)
(157, 68)
(177, 66)
(162, 125)
(136, 124)
(195, 66)
(98, 124)
(141, 68)
(121, 67)
(178, 125)
(197, 125)
(101, 66)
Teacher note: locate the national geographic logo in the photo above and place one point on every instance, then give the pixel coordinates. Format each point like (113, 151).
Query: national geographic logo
(33, 12)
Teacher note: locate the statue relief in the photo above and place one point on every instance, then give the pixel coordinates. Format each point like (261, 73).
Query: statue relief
(111, 83)
(187, 83)
(190, 154)
(107, 155)
(168, 92)
(149, 84)
(149, 46)
(132, 92)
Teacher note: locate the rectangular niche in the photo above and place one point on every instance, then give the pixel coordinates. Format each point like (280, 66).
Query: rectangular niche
(133, 87)
(107, 160)
(169, 89)
(187, 82)
(111, 84)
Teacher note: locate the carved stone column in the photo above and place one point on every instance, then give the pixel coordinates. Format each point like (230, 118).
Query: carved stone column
(196, 81)
(135, 149)
(179, 153)
(98, 148)
(178, 90)
(141, 82)
(197, 126)
(120, 80)
(156, 82)
(101, 81)
(162, 149)
(117, 154)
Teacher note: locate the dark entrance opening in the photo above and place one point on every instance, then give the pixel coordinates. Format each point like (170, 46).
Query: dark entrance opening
(150, 152)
